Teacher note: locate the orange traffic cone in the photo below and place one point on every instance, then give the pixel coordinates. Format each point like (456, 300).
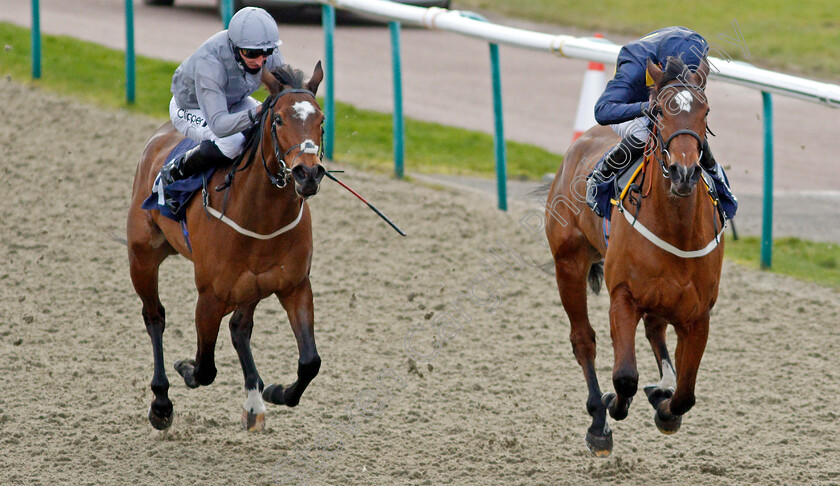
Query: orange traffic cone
(594, 82)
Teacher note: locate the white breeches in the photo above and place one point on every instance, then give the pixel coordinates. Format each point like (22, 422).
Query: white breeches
(638, 127)
(193, 124)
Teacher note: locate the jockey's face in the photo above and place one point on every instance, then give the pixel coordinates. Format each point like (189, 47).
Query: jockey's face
(254, 63)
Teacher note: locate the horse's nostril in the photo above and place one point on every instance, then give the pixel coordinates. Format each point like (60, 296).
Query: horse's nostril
(674, 172)
(299, 173)
(319, 172)
(696, 172)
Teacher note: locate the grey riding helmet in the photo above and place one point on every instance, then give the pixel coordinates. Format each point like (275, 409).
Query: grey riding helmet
(253, 28)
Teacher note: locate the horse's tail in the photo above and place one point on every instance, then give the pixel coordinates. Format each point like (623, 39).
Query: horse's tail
(539, 193)
(596, 276)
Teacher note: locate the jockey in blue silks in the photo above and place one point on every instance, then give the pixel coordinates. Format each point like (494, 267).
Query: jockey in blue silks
(625, 107)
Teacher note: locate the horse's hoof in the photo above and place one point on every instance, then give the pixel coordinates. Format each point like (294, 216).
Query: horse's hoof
(186, 368)
(160, 422)
(273, 394)
(666, 422)
(599, 446)
(610, 400)
(278, 395)
(253, 422)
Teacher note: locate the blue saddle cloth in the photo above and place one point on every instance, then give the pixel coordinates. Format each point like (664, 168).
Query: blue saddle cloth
(179, 192)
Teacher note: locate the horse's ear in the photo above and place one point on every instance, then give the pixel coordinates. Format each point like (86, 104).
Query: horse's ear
(702, 72)
(270, 82)
(655, 73)
(315, 80)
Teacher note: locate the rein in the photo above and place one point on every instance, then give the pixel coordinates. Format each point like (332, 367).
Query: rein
(661, 156)
(279, 179)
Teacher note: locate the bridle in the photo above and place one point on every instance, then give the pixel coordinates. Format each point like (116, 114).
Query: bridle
(663, 154)
(278, 179)
(283, 175)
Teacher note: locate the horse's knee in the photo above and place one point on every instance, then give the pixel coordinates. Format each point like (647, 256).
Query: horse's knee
(309, 369)
(626, 384)
(680, 407)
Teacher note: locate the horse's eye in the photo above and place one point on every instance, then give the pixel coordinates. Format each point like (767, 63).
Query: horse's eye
(278, 120)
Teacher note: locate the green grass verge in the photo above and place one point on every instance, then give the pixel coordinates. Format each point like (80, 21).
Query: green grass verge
(800, 36)
(805, 260)
(96, 74)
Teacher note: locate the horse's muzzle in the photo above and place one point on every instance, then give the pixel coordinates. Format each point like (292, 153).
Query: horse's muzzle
(308, 179)
(683, 179)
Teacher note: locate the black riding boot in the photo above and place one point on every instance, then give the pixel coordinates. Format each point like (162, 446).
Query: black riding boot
(198, 159)
(613, 164)
(707, 160)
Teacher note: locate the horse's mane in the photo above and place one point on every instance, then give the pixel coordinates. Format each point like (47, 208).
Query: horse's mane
(289, 76)
(676, 69)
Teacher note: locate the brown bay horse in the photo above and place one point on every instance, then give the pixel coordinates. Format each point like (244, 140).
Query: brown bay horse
(645, 281)
(236, 268)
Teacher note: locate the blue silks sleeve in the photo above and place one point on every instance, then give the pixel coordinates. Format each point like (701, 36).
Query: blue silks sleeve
(625, 95)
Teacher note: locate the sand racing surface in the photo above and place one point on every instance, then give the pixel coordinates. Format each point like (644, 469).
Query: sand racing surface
(498, 400)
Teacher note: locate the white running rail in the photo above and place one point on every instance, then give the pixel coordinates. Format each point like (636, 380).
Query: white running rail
(589, 49)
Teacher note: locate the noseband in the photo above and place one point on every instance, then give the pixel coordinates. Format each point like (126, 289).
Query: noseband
(663, 154)
(284, 174)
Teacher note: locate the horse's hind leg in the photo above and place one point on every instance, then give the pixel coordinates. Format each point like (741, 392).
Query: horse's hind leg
(241, 324)
(571, 281)
(299, 307)
(144, 262)
(208, 316)
(655, 332)
(691, 342)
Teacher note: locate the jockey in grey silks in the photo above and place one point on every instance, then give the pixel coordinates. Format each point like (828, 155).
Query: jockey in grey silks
(211, 91)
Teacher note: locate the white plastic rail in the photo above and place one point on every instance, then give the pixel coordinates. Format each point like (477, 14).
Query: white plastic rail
(588, 49)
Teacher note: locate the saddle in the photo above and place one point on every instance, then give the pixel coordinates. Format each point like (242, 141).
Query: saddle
(177, 194)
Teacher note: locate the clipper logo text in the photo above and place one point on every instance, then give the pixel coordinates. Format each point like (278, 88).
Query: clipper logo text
(194, 119)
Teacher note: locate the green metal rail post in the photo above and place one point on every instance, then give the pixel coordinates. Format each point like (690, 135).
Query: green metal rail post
(227, 12)
(767, 212)
(36, 40)
(129, 52)
(399, 127)
(328, 21)
(501, 155)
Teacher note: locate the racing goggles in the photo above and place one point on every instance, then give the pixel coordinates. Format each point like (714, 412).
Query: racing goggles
(255, 53)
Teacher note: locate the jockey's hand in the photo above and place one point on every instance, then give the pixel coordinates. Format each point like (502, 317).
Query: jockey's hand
(651, 111)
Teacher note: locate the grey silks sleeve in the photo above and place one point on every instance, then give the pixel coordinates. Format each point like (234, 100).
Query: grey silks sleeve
(209, 79)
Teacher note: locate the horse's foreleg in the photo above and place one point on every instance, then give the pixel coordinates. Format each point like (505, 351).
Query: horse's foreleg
(208, 315)
(144, 262)
(655, 332)
(571, 281)
(241, 324)
(691, 342)
(624, 317)
(299, 307)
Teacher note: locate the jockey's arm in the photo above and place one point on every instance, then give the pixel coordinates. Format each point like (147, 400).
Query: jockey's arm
(213, 103)
(613, 106)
